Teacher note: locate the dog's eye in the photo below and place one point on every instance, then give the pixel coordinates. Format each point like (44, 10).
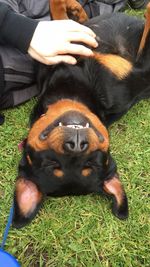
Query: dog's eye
(88, 164)
(50, 163)
(93, 164)
(53, 163)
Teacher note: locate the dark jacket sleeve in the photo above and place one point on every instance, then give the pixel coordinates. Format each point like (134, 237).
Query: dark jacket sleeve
(15, 29)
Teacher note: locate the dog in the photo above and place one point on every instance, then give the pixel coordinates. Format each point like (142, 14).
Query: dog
(67, 149)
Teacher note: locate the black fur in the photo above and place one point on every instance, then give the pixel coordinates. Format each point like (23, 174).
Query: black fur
(92, 84)
(106, 96)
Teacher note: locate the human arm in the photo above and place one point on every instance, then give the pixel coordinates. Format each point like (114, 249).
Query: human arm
(16, 30)
(49, 42)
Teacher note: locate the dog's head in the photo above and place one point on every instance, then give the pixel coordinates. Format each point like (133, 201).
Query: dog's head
(66, 153)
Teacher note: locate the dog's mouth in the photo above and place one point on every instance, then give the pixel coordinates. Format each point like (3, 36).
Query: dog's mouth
(72, 133)
(75, 126)
(70, 120)
(69, 126)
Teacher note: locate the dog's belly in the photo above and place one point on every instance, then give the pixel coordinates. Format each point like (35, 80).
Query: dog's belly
(117, 34)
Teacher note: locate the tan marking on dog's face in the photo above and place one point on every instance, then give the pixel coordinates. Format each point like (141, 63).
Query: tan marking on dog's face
(55, 140)
(27, 196)
(86, 172)
(94, 143)
(56, 110)
(114, 187)
(58, 173)
(119, 66)
(29, 159)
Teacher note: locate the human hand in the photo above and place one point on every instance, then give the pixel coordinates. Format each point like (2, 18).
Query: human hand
(52, 41)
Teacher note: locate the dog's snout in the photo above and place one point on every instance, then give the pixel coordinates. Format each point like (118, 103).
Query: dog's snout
(73, 146)
(76, 143)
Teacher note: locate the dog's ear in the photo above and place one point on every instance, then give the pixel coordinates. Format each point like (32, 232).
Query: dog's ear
(27, 201)
(27, 197)
(112, 186)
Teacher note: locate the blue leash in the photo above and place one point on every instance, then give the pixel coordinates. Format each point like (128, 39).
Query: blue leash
(7, 259)
(8, 225)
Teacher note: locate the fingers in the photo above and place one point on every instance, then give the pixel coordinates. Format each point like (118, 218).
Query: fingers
(75, 32)
(77, 49)
(76, 27)
(82, 37)
(54, 41)
(52, 60)
(69, 49)
(82, 28)
(62, 58)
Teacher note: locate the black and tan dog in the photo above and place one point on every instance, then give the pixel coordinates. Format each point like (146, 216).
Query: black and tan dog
(67, 149)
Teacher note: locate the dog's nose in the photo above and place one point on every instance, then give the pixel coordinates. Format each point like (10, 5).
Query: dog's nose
(77, 143)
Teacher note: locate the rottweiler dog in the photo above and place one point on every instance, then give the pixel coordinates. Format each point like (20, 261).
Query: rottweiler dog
(67, 148)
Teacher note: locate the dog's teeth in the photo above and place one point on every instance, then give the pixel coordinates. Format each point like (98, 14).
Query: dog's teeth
(74, 126)
(77, 126)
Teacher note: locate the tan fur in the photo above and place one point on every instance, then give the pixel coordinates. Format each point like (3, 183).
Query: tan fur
(119, 66)
(58, 109)
(29, 159)
(86, 172)
(146, 30)
(60, 9)
(114, 187)
(58, 173)
(27, 196)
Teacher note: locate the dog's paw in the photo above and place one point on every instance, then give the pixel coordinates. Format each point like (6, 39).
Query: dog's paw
(77, 13)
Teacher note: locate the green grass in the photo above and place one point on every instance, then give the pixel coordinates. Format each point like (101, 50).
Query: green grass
(81, 231)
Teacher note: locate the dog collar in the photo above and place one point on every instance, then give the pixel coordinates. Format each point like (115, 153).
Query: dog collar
(21, 145)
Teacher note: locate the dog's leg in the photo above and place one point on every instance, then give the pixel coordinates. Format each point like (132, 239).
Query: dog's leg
(146, 30)
(58, 9)
(27, 201)
(139, 81)
(67, 9)
(114, 187)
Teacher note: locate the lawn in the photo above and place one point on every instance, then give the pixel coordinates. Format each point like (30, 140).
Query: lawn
(81, 231)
